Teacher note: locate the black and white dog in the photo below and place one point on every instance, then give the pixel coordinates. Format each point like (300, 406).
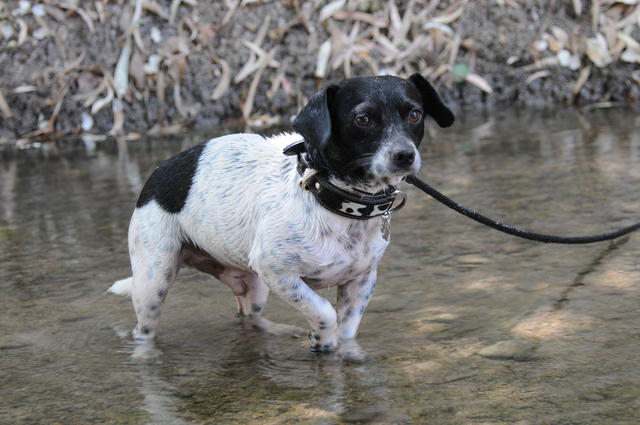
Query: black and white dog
(290, 213)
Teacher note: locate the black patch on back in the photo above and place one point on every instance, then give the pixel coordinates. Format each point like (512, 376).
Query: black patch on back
(170, 182)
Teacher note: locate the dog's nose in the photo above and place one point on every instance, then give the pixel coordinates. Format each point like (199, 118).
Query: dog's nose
(403, 159)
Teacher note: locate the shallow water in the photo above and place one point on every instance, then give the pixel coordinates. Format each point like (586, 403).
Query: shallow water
(448, 291)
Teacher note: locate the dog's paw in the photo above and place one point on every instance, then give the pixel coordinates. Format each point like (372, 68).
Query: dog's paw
(322, 342)
(323, 348)
(142, 335)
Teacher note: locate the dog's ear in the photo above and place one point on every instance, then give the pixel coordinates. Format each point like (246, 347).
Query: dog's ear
(314, 121)
(431, 101)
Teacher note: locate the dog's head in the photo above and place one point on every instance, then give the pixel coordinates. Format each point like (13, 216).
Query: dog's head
(368, 129)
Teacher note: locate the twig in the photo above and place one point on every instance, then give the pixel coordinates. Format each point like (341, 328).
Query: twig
(225, 79)
(248, 105)
(4, 107)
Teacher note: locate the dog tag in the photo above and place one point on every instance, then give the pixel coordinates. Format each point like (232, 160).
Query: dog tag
(385, 225)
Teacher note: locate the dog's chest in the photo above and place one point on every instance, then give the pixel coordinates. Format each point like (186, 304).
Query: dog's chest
(345, 255)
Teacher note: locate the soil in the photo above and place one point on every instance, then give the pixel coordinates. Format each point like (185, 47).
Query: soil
(499, 33)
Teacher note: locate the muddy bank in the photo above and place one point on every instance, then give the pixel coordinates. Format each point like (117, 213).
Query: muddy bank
(157, 66)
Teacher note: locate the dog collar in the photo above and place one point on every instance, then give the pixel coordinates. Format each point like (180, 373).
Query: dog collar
(356, 205)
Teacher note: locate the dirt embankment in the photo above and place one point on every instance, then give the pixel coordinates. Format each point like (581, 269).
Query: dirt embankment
(156, 66)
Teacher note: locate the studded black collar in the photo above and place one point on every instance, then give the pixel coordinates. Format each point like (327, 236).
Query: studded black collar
(356, 205)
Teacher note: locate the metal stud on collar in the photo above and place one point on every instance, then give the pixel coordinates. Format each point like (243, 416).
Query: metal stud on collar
(304, 181)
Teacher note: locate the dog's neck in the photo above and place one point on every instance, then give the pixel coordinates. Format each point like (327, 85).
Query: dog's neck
(313, 161)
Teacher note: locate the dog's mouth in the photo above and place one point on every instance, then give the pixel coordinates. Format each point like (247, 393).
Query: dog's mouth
(378, 169)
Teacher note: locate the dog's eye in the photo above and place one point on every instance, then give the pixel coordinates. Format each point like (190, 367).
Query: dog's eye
(415, 115)
(363, 120)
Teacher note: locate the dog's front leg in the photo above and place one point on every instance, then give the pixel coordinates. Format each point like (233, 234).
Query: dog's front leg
(353, 298)
(318, 311)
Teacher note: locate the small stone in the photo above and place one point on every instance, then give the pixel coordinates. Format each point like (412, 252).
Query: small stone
(519, 350)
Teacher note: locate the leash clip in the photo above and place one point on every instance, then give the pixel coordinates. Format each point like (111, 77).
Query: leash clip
(403, 200)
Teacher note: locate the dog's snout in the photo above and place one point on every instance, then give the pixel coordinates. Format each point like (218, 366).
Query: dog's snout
(403, 158)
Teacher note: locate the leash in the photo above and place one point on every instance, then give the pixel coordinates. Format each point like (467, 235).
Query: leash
(539, 237)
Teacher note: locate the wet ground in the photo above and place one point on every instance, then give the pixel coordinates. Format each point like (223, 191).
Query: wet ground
(467, 325)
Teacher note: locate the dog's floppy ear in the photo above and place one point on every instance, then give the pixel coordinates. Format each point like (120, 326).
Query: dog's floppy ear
(431, 101)
(314, 121)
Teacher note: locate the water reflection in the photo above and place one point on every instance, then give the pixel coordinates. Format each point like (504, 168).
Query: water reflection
(448, 288)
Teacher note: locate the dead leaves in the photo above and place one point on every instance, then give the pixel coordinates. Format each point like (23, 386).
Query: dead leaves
(158, 39)
(394, 40)
(612, 23)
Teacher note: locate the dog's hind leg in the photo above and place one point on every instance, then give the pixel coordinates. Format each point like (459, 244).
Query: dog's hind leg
(251, 296)
(254, 297)
(154, 248)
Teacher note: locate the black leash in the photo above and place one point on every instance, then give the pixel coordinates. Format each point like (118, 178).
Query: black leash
(539, 237)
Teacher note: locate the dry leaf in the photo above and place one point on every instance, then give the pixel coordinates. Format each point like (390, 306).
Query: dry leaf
(253, 87)
(596, 49)
(121, 73)
(232, 9)
(628, 40)
(595, 14)
(479, 82)
(84, 82)
(322, 62)
(79, 11)
(154, 7)
(136, 69)
(537, 75)
(102, 102)
(631, 55)
(452, 16)
(577, 7)
(327, 11)
(24, 89)
(225, 80)
(632, 52)
(118, 117)
(56, 109)
(373, 20)
(23, 32)
(582, 79)
(441, 27)
(173, 10)
(560, 35)
(4, 107)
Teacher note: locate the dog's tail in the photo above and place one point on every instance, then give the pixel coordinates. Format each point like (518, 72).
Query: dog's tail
(122, 287)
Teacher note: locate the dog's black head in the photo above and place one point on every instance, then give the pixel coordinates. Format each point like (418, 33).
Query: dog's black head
(368, 129)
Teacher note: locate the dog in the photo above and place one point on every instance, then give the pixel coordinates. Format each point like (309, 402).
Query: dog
(291, 213)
